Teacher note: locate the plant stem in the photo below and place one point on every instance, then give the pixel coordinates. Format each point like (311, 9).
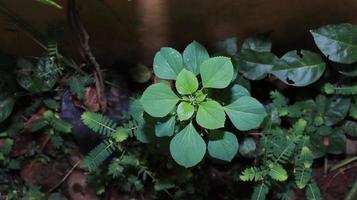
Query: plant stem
(325, 165)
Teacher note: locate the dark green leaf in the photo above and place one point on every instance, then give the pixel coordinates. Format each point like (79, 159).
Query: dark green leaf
(258, 42)
(193, 55)
(166, 128)
(338, 42)
(299, 68)
(254, 65)
(6, 106)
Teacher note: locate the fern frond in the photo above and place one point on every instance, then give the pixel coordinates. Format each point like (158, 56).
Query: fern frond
(350, 128)
(281, 150)
(260, 192)
(60, 125)
(305, 158)
(278, 99)
(302, 176)
(341, 90)
(303, 171)
(52, 50)
(99, 123)
(277, 172)
(312, 192)
(252, 173)
(99, 154)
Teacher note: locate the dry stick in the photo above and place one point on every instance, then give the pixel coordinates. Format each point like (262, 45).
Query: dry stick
(341, 171)
(86, 52)
(64, 178)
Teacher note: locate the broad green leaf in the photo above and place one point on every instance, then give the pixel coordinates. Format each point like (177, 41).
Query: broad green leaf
(158, 99)
(193, 55)
(335, 143)
(246, 113)
(257, 42)
(166, 128)
(216, 72)
(186, 82)
(168, 63)
(232, 93)
(247, 147)
(185, 111)
(338, 42)
(210, 115)
(333, 109)
(187, 148)
(254, 65)
(277, 172)
(222, 145)
(312, 192)
(6, 106)
(238, 91)
(299, 68)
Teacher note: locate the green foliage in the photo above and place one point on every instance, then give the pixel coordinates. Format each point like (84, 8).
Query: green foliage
(77, 85)
(159, 100)
(350, 128)
(99, 154)
(312, 192)
(99, 124)
(222, 145)
(337, 42)
(299, 68)
(6, 106)
(342, 90)
(260, 192)
(114, 136)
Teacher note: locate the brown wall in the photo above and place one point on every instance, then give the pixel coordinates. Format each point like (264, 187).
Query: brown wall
(122, 29)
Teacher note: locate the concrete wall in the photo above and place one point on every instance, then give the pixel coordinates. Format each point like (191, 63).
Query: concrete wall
(128, 30)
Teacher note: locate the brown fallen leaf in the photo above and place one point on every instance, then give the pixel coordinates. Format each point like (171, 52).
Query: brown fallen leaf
(28, 123)
(90, 102)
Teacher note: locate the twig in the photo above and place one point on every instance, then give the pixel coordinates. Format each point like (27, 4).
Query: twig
(64, 178)
(341, 171)
(86, 52)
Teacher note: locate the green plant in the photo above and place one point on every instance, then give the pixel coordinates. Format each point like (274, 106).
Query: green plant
(195, 107)
(114, 135)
